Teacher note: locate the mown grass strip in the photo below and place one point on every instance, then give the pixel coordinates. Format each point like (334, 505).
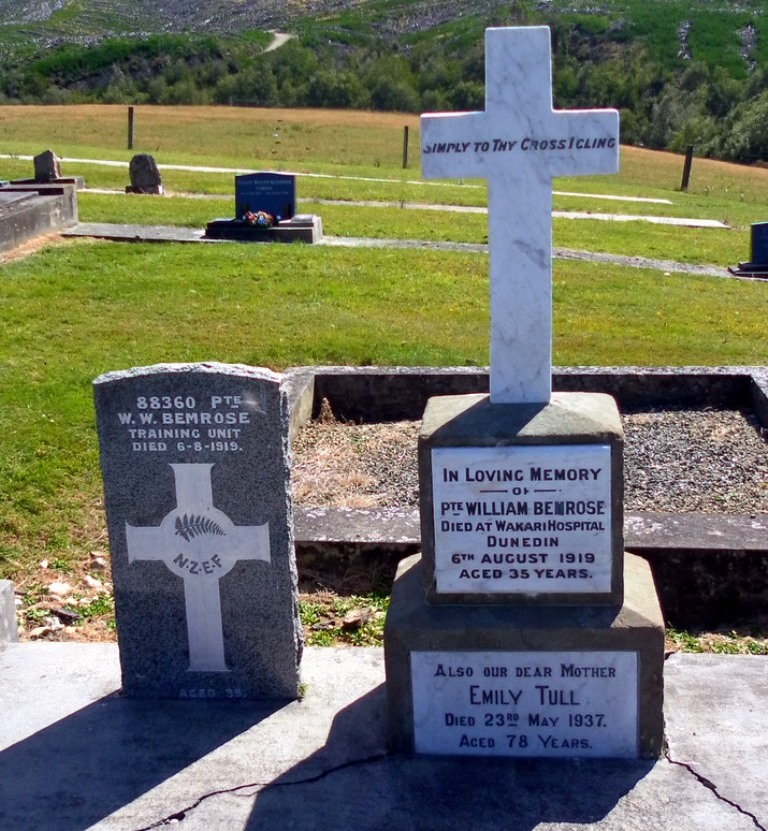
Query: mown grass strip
(703, 246)
(72, 312)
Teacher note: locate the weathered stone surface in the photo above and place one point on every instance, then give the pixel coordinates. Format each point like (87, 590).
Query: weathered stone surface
(136, 233)
(30, 210)
(369, 393)
(47, 168)
(126, 764)
(707, 568)
(145, 175)
(197, 493)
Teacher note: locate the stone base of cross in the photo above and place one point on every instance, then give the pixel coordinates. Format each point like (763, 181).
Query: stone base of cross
(519, 143)
(200, 544)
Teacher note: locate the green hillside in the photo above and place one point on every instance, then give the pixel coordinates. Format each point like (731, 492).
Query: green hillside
(682, 73)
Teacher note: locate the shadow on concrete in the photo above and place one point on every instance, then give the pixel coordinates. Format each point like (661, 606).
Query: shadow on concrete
(351, 784)
(88, 765)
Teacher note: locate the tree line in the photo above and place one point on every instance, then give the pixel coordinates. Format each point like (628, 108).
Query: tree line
(724, 116)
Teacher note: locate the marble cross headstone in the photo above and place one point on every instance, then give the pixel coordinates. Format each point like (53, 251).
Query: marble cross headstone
(198, 501)
(519, 143)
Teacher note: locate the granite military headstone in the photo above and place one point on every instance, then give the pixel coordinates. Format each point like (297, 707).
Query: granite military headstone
(197, 494)
(512, 634)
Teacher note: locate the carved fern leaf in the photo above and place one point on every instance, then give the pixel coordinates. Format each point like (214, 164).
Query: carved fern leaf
(189, 527)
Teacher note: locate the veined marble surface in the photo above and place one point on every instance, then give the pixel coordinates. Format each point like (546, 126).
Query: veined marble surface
(534, 704)
(519, 143)
(522, 520)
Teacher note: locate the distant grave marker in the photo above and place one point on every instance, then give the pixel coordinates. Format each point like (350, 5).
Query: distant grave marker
(273, 193)
(758, 254)
(47, 168)
(8, 630)
(145, 175)
(197, 494)
(265, 211)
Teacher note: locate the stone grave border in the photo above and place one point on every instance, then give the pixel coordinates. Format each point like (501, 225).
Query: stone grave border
(50, 207)
(707, 567)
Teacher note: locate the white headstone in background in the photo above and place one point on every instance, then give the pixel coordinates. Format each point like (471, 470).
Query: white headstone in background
(519, 143)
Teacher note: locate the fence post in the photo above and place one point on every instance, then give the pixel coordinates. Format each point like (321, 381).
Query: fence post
(687, 168)
(130, 128)
(405, 147)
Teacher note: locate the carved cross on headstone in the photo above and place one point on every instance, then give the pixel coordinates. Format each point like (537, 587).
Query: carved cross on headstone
(200, 544)
(519, 143)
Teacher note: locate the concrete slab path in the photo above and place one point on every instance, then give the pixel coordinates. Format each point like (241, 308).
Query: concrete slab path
(75, 755)
(683, 222)
(147, 233)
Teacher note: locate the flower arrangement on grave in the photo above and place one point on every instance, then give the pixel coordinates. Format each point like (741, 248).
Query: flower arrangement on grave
(261, 219)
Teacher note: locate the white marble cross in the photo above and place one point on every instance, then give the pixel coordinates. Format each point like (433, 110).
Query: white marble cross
(519, 143)
(200, 544)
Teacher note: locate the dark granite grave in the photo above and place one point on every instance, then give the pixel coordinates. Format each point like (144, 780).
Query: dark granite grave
(197, 494)
(272, 194)
(758, 263)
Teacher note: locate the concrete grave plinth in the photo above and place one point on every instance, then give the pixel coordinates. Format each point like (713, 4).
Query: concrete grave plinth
(522, 503)
(525, 682)
(306, 228)
(28, 210)
(197, 494)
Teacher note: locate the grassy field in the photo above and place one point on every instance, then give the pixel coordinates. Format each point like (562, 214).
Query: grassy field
(74, 310)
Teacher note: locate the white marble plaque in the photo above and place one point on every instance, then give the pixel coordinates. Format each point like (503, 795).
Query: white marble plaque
(551, 704)
(522, 519)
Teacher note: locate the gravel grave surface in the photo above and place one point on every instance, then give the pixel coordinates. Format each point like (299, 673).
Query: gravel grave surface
(680, 461)
(708, 461)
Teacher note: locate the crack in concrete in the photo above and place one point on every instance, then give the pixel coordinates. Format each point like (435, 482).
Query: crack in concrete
(707, 783)
(180, 816)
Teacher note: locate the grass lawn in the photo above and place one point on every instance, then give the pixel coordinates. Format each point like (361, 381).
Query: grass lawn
(74, 310)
